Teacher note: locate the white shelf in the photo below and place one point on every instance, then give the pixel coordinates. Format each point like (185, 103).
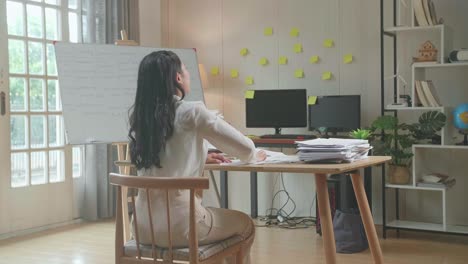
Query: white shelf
(406, 29)
(412, 187)
(440, 65)
(428, 226)
(417, 108)
(429, 146)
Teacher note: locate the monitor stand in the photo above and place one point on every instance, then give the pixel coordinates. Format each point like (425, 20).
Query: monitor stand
(277, 130)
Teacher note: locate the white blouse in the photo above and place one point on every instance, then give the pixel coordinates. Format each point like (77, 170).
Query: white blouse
(184, 156)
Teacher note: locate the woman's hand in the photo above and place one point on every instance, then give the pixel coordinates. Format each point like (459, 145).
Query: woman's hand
(260, 155)
(216, 158)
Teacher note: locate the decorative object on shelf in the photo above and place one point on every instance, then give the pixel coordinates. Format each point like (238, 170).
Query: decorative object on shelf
(460, 120)
(427, 53)
(436, 180)
(360, 133)
(458, 55)
(395, 139)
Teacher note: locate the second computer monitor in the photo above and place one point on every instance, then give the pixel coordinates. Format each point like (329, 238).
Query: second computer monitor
(336, 113)
(277, 108)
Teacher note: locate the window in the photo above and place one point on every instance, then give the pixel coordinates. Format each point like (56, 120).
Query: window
(36, 123)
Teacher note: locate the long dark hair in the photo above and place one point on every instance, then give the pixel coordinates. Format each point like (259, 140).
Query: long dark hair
(152, 115)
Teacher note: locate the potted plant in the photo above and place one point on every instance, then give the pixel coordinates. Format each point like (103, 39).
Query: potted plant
(395, 139)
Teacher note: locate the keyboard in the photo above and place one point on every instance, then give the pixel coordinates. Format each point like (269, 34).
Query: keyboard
(288, 136)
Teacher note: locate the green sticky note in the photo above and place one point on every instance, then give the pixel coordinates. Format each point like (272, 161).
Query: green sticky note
(328, 43)
(299, 73)
(314, 59)
(312, 100)
(244, 51)
(263, 61)
(268, 31)
(298, 48)
(348, 58)
(249, 94)
(283, 60)
(214, 70)
(249, 80)
(234, 73)
(294, 32)
(326, 75)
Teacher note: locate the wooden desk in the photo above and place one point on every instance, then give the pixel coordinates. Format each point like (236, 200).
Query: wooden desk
(320, 172)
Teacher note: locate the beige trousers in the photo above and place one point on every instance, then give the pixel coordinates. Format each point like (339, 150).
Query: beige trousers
(221, 224)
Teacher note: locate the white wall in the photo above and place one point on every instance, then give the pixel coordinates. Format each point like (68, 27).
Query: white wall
(219, 29)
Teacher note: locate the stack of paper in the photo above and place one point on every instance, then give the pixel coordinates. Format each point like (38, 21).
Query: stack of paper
(333, 150)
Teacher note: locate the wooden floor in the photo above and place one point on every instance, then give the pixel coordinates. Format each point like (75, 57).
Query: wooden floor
(94, 243)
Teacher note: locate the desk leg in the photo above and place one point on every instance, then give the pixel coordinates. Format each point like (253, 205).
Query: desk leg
(366, 216)
(253, 195)
(325, 218)
(223, 178)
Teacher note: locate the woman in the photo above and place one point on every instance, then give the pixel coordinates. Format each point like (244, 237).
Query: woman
(167, 138)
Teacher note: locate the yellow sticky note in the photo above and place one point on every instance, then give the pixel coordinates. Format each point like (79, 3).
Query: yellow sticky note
(348, 58)
(244, 51)
(234, 73)
(294, 32)
(268, 31)
(299, 73)
(298, 47)
(283, 60)
(263, 61)
(312, 100)
(314, 59)
(328, 43)
(214, 70)
(249, 94)
(326, 75)
(249, 80)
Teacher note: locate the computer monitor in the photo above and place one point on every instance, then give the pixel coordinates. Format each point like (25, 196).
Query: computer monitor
(336, 113)
(277, 109)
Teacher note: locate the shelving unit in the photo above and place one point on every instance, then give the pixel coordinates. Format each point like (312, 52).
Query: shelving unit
(444, 158)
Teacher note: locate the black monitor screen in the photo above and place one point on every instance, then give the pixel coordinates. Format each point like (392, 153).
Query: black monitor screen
(277, 108)
(337, 113)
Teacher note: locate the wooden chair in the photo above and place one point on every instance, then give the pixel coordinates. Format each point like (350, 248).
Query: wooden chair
(132, 252)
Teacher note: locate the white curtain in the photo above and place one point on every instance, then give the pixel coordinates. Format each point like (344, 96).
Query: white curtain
(102, 22)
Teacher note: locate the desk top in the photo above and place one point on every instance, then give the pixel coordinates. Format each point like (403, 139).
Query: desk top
(294, 167)
(304, 167)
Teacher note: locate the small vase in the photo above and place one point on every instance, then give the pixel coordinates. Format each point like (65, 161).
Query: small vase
(399, 174)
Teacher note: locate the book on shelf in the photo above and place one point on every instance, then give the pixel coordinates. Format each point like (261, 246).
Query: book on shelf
(419, 13)
(425, 13)
(430, 93)
(420, 97)
(443, 184)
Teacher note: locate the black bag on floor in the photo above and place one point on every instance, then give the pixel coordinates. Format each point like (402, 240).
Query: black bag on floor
(349, 232)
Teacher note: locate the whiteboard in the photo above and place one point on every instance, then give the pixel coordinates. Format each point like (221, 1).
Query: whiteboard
(98, 86)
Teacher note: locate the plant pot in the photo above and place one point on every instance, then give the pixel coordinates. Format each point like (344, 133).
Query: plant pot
(399, 174)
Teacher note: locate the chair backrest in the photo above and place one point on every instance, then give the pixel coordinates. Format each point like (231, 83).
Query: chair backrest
(146, 184)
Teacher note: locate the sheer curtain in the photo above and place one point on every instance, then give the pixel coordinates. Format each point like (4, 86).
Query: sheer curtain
(102, 21)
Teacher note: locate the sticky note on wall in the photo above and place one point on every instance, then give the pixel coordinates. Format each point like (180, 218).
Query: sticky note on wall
(268, 31)
(328, 43)
(294, 32)
(263, 61)
(298, 48)
(249, 94)
(244, 52)
(314, 59)
(282, 60)
(327, 75)
(312, 100)
(299, 73)
(214, 70)
(249, 80)
(348, 58)
(234, 73)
